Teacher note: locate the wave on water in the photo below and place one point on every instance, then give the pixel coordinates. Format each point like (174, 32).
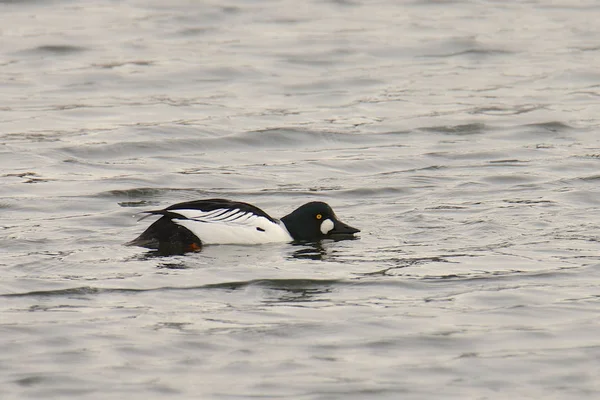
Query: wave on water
(283, 284)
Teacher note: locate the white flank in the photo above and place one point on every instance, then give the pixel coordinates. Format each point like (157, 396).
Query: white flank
(232, 227)
(326, 226)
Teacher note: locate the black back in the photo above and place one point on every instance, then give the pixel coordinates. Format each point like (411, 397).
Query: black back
(211, 205)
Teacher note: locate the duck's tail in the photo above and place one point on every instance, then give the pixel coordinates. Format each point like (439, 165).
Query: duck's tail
(167, 237)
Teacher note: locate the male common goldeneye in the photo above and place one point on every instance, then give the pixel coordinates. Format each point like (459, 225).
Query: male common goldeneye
(187, 226)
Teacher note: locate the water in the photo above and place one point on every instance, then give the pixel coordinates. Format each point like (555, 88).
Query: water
(460, 137)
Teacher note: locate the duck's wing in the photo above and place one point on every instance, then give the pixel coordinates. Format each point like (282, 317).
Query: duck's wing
(220, 221)
(212, 210)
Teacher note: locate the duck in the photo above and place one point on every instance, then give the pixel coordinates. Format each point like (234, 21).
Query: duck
(188, 226)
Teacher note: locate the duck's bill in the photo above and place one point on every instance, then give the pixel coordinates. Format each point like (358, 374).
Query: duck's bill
(342, 229)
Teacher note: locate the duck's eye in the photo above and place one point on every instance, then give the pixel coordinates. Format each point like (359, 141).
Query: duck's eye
(319, 216)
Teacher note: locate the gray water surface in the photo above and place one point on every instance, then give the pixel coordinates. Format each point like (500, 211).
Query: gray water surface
(461, 137)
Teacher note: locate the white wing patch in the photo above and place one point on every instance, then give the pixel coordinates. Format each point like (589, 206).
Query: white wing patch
(231, 226)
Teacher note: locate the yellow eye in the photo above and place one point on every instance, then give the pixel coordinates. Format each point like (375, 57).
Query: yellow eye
(319, 216)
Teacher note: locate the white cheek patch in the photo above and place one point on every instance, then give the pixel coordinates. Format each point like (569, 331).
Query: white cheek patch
(326, 226)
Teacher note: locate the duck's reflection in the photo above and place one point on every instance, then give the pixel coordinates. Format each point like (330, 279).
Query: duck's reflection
(317, 250)
(309, 251)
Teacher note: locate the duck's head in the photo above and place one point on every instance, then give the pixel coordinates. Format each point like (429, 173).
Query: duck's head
(315, 221)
